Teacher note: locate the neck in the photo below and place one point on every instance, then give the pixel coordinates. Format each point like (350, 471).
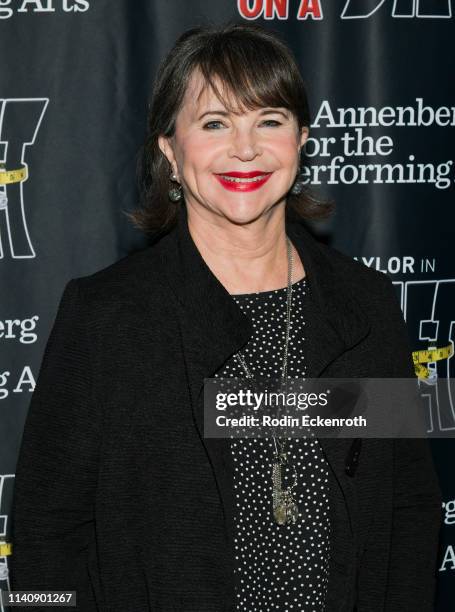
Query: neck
(245, 258)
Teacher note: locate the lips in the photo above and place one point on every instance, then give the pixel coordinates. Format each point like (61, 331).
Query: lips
(243, 181)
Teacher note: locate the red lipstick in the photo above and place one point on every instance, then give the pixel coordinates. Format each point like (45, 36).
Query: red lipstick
(243, 181)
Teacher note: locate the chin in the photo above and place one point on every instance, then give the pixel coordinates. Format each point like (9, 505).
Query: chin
(243, 213)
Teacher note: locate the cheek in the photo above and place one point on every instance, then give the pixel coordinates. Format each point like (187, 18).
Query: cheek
(284, 148)
(287, 151)
(199, 154)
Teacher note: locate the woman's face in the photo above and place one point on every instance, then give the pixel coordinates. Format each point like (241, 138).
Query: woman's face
(210, 143)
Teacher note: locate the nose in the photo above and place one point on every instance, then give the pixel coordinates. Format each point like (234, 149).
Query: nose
(244, 145)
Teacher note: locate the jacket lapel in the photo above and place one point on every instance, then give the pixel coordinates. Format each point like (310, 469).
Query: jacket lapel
(213, 328)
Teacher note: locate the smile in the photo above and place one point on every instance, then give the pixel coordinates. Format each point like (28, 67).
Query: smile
(243, 183)
(243, 180)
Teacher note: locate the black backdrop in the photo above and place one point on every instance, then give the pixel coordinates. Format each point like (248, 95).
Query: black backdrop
(75, 78)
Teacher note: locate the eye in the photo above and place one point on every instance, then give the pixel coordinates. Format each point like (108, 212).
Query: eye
(207, 126)
(215, 125)
(272, 121)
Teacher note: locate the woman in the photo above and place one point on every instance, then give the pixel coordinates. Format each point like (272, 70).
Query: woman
(119, 496)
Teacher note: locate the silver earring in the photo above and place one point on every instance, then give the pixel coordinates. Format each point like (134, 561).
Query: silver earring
(175, 193)
(298, 185)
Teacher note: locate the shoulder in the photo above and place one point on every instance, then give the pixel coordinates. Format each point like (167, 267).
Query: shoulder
(125, 280)
(377, 297)
(333, 263)
(130, 289)
(372, 289)
(360, 279)
(354, 287)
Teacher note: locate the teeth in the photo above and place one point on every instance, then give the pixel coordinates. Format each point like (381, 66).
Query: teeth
(243, 180)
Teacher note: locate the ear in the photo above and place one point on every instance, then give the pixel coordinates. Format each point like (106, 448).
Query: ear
(304, 132)
(165, 145)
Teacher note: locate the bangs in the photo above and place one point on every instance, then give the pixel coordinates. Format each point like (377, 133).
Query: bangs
(245, 75)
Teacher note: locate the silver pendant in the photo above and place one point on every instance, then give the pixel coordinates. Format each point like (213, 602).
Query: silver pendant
(285, 509)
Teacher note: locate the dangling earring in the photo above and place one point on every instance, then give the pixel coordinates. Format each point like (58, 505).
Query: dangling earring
(298, 185)
(175, 193)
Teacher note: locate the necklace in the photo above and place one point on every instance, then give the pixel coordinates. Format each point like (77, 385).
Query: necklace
(285, 509)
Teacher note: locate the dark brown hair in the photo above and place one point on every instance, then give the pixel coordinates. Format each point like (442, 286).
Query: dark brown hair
(256, 69)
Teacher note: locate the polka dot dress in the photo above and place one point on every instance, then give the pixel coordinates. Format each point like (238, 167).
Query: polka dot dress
(278, 567)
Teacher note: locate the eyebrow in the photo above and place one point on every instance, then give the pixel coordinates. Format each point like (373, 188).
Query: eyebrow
(226, 114)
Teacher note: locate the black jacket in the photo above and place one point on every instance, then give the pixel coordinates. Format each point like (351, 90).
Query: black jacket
(120, 497)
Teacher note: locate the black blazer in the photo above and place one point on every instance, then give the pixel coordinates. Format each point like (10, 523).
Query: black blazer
(120, 497)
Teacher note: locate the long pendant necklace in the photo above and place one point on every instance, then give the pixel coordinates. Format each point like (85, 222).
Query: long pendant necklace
(285, 509)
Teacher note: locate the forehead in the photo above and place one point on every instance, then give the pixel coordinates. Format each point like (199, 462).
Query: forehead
(199, 95)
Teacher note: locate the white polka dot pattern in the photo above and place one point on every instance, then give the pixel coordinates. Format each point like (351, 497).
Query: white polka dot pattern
(278, 567)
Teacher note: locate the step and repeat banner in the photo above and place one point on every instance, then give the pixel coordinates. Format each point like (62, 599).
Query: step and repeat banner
(75, 80)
